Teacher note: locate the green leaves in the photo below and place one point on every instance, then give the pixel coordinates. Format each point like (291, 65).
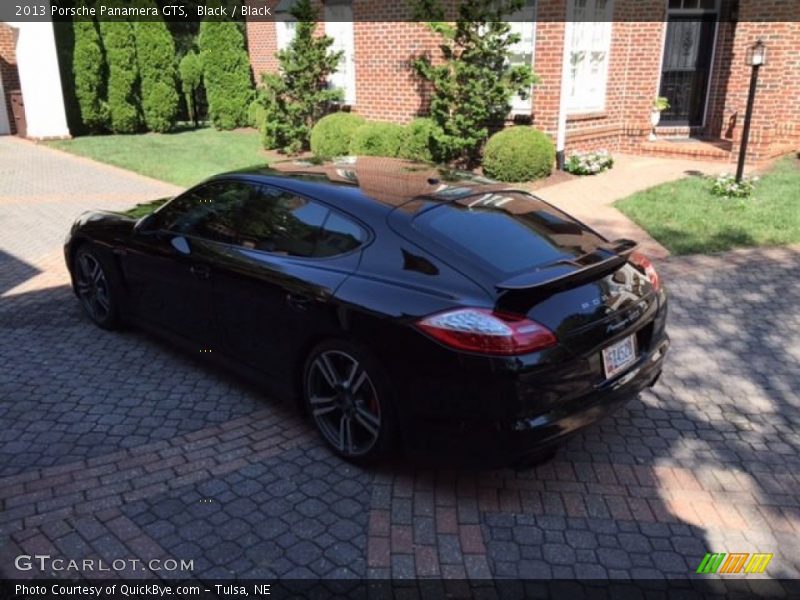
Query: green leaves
(226, 73)
(124, 101)
(191, 74)
(89, 70)
(473, 84)
(155, 53)
(298, 96)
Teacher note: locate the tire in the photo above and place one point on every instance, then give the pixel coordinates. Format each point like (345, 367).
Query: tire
(349, 399)
(96, 284)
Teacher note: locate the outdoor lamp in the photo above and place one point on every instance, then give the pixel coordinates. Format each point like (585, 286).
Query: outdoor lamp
(757, 54)
(756, 57)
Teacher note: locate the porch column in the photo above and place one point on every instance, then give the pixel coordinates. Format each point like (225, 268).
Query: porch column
(40, 80)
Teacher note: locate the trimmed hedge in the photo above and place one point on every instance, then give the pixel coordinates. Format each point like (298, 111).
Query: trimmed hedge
(89, 71)
(518, 154)
(226, 73)
(332, 134)
(377, 139)
(256, 114)
(123, 76)
(418, 140)
(155, 53)
(191, 72)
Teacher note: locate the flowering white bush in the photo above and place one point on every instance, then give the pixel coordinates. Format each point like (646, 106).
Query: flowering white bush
(725, 185)
(588, 163)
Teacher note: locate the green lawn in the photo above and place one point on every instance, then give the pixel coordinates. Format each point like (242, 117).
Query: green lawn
(687, 219)
(181, 158)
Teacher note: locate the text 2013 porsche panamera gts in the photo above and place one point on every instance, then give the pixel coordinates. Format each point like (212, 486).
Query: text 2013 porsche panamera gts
(401, 304)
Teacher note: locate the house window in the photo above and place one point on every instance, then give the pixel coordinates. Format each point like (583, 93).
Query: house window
(692, 4)
(284, 32)
(589, 46)
(523, 23)
(339, 26)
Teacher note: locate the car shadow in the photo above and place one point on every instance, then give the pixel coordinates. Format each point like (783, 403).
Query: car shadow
(14, 271)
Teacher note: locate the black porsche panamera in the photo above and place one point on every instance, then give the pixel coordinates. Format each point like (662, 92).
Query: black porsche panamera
(398, 303)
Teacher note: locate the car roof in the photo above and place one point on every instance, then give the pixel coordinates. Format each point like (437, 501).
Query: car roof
(367, 185)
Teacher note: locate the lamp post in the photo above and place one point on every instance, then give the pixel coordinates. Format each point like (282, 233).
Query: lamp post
(756, 57)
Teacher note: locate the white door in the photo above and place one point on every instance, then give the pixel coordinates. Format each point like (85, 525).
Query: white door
(339, 26)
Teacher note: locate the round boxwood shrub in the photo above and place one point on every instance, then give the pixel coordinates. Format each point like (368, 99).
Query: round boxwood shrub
(332, 134)
(518, 154)
(418, 139)
(377, 139)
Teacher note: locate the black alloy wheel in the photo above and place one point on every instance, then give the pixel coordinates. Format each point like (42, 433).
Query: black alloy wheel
(343, 396)
(93, 283)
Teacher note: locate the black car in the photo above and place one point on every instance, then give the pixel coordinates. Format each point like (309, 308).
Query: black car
(399, 303)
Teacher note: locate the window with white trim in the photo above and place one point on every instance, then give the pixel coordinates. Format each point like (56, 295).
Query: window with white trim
(589, 49)
(284, 31)
(523, 23)
(339, 26)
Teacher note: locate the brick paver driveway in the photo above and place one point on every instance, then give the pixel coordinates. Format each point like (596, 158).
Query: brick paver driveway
(114, 446)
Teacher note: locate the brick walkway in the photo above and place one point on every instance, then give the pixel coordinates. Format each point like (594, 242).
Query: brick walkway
(115, 446)
(591, 198)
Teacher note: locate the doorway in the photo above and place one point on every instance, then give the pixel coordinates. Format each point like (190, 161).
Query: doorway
(686, 68)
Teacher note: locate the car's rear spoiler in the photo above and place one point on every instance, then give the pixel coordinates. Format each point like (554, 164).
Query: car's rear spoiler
(569, 273)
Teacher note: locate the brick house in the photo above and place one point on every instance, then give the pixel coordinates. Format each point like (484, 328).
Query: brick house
(31, 98)
(601, 64)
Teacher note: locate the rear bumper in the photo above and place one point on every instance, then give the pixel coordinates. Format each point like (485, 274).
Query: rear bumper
(530, 414)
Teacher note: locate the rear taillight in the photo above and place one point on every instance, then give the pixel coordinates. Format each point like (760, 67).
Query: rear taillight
(647, 267)
(487, 332)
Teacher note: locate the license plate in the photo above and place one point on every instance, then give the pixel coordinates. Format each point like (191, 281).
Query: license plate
(619, 356)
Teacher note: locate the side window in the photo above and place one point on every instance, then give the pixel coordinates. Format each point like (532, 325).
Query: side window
(339, 235)
(209, 211)
(281, 222)
(170, 213)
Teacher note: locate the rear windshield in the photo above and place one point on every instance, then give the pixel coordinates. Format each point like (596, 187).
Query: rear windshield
(506, 232)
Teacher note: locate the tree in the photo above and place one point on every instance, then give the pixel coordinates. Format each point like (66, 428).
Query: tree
(473, 84)
(226, 73)
(191, 71)
(124, 103)
(299, 95)
(89, 72)
(155, 54)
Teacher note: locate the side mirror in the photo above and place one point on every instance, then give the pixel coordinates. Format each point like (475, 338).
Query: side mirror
(181, 244)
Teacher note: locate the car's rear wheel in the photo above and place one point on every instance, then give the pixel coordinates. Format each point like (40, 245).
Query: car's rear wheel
(348, 398)
(95, 285)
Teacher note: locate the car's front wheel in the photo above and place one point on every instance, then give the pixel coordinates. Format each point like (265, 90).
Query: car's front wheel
(348, 398)
(95, 285)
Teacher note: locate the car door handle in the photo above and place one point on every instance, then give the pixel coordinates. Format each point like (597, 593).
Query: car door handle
(298, 302)
(200, 271)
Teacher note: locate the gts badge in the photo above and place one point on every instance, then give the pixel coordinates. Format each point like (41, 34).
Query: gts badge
(627, 319)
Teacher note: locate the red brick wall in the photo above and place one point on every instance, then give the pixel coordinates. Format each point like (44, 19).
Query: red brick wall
(262, 45)
(386, 87)
(777, 106)
(549, 41)
(8, 68)
(387, 90)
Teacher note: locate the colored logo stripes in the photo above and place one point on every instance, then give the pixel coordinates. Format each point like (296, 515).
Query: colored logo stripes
(734, 562)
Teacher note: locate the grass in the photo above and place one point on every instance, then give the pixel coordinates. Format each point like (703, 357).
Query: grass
(687, 219)
(182, 158)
